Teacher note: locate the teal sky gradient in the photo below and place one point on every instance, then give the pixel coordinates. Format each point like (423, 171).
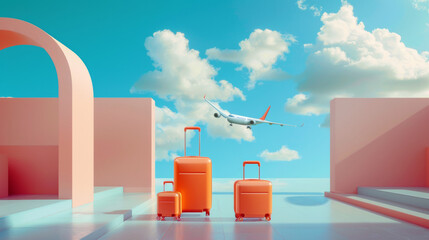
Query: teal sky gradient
(109, 37)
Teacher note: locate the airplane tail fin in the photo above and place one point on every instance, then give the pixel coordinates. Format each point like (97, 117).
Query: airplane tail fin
(265, 115)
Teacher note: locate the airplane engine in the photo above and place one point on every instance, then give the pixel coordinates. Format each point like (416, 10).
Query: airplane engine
(217, 115)
(252, 122)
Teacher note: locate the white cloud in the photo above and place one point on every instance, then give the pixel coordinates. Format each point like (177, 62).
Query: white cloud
(301, 4)
(308, 45)
(297, 99)
(326, 122)
(180, 73)
(422, 5)
(181, 76)
(316, 10)
(296, 104)
(258, 54)
(349, 61)
(283, 154)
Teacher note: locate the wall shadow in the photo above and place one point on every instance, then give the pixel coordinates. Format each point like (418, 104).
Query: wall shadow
(397, 158)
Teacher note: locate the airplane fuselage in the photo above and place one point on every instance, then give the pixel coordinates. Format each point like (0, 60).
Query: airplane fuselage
(241, 120)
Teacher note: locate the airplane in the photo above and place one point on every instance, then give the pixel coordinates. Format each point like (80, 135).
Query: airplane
(241, 120)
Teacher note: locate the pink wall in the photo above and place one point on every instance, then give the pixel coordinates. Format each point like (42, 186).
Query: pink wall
(124, 143)
(378, 142)
(75, 109)
(31, 148)
(427, 167)
(3, 177)
(29, 121)
(32, 169)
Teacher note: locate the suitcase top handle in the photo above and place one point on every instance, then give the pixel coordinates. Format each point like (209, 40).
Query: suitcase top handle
(199, 138)
(252, 162)
(193, 128)
(172, 183)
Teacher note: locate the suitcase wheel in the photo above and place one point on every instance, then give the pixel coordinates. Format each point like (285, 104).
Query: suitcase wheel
(163, 218)
(207, 212)
(239, 217)
(178, 218)
(268, 217)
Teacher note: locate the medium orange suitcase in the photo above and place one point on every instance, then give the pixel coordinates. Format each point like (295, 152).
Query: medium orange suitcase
(252, 197)
(193, 179)
(169, 204)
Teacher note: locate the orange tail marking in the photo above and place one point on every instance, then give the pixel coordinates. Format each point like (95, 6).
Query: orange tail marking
(265, 115)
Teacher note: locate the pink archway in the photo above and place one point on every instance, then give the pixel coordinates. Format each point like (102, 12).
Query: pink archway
(76, 109)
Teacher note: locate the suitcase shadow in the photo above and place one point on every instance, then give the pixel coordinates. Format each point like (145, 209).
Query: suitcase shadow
(195, 218)
(184, 218)
(207, 219)
(253, 220)
(307, 200)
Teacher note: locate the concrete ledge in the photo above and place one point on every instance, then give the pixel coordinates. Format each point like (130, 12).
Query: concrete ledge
(410, 215)
(412, 196)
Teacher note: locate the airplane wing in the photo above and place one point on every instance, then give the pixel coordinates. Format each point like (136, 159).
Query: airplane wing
(281, 124)
(217, 109)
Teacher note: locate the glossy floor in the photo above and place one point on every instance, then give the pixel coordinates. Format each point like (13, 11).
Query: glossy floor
(55, 219)
(297, 214)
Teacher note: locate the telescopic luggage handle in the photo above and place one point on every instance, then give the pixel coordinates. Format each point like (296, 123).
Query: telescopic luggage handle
(252, 162)
(199, 138)
(172, 183)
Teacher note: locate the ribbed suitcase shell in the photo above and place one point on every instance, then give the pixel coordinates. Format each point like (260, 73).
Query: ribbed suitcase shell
(193, 179)
(252, 197)
(169, 203)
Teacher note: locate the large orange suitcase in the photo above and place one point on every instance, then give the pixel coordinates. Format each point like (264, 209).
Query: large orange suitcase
(252, 197)
(169, 204)
(193, 179)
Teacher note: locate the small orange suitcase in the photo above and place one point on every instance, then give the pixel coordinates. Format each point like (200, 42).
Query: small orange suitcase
(169, 204)
(252, 197)
(193, 179)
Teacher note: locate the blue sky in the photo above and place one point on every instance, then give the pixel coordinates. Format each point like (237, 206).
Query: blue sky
(305, 59)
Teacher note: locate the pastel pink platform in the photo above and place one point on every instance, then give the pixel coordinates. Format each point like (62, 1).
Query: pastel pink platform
(381, 143)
